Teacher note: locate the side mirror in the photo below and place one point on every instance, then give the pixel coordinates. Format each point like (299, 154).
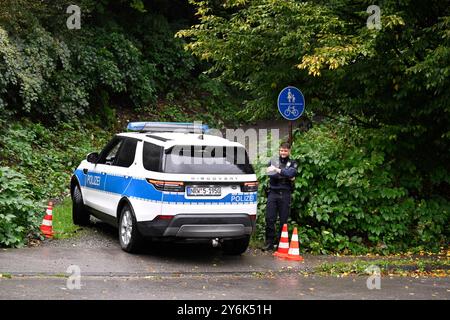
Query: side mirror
(92, 157)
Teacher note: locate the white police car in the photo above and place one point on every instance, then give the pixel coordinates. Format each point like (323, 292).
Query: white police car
(169, 181)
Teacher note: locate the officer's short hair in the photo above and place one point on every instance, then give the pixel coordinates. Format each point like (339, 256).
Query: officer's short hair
(285, 145)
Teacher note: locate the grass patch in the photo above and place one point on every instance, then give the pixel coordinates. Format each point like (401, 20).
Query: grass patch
(63, 226)
(255, 243)
(403, 267)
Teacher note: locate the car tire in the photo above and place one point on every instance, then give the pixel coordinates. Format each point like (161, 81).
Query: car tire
(80, 215)
(129, 237)
(235, 246)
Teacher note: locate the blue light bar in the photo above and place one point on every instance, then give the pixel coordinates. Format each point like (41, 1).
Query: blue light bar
(185, 127)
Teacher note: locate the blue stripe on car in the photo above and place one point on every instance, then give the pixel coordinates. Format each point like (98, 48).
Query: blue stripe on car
(140, 188)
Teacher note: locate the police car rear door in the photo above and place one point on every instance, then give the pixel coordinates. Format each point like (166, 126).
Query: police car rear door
(118, 175)
(94, 193)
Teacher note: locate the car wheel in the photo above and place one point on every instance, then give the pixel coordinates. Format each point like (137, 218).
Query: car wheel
(129, 236)
(235, 246)
(80, 215)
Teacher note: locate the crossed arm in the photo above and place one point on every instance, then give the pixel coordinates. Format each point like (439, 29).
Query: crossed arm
(286, 172)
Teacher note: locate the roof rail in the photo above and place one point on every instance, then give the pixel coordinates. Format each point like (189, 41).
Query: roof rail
(183, 127)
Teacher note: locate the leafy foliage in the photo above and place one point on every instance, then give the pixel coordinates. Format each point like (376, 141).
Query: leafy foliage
(395, 76)
(261, 46)
(46, 156)
(399, 266)
(384, 182)
(18, 210)
(36, 163)
(381, 181)
(49, 71)
(44, 76)
(347, 195)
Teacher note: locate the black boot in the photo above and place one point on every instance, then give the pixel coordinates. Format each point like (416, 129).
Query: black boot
(268, 247)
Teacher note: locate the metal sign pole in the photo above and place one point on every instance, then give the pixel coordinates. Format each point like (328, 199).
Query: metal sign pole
(290, 132)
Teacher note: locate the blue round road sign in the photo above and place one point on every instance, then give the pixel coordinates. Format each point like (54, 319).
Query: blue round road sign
(291, 103)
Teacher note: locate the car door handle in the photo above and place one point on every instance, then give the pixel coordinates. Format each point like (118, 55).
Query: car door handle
(85, 171)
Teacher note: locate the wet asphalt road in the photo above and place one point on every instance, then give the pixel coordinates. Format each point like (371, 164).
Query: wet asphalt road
(224, 287)
(176, 271)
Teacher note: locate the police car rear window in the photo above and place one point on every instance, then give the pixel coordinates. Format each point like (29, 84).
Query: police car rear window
(151, 157)
(207, 160)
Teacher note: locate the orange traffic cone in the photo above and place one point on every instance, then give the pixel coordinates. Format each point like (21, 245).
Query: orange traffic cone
(294, 251)
(46, 226)
(283, 246)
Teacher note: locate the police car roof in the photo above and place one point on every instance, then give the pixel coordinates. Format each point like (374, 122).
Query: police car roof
(169, 139)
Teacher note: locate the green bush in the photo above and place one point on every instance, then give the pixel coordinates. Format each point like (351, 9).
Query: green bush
(19, 213)
(36, 163)
(348, 197)
(46, 156)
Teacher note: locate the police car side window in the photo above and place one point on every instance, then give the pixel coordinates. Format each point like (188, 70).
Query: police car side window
(111, 157)
(152, 157)
(109, 153)
(126, 153)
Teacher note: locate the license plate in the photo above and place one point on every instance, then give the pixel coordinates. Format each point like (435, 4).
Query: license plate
(203, 191)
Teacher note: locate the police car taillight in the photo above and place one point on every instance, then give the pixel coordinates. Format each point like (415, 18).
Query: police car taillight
(173, 186)
(249, 186)
(163, 217)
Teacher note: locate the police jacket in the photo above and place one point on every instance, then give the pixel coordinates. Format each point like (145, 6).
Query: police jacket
(282, 180)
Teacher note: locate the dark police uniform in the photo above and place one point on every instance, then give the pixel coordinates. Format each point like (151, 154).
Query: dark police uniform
(279, 197)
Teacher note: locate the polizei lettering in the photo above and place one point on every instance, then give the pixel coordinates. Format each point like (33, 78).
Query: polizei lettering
(202, 311)
(243, 198)
(93, 180)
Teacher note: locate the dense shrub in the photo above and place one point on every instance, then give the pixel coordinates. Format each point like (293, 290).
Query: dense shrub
(19, 213)
(41, 75)
(36, 163)
(47, 155)
(58, 74)
(348, 196)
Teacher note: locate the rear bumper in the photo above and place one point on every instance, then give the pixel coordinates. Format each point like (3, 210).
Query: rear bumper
(200, 226)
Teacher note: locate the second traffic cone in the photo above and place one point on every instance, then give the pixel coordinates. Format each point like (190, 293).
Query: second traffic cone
(283, 246)
(46, 226)
(294, 250)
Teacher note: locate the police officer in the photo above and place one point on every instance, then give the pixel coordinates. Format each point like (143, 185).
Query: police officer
(282, 172)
